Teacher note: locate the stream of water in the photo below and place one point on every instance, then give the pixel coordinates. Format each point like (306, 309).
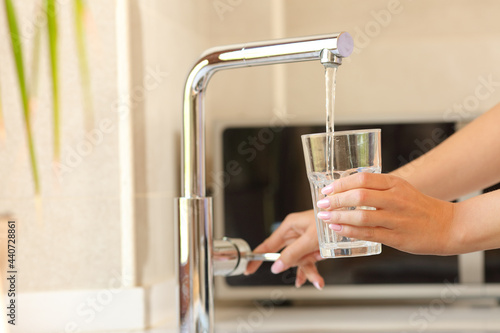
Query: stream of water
(330, 83)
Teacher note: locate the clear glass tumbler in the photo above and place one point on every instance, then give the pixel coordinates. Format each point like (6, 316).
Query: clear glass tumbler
(331, 156)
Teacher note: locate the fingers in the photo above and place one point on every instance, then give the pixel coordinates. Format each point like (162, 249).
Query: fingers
(252, 267)
(355, 198)
(359, 218)
(291, 228)
(273, 243)
(309, 272)
(301, 278)
(374, 181)
(293, 253)
(306, 270)
(370, 234)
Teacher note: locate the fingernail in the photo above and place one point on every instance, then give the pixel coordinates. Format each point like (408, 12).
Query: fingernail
(323, 203)
(324, 216)
(277, 267)
(327, 189)
(318, 257)
(335, 227)
(297, 284)
(317, 286)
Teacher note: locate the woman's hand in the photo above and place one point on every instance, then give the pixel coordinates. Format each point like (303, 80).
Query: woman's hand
(404, 218)
(297, 235)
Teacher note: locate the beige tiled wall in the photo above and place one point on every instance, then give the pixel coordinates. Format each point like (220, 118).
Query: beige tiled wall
(168, 36)
(414, 58)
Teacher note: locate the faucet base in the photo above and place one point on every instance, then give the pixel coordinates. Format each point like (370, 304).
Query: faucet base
(195, 264)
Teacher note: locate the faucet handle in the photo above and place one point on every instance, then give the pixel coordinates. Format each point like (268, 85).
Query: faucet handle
(263, 256)
(232, 255)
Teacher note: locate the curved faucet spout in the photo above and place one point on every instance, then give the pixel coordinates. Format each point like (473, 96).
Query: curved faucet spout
(326, 48)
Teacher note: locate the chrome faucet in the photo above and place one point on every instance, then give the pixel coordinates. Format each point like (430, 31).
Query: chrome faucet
(200, 257)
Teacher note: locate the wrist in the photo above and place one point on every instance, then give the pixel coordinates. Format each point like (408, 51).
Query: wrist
(458, 231)
(454, 234)
(467, 230)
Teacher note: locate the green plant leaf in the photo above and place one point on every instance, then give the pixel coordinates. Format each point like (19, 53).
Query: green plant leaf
(35, 61)
(80, 12)
(52, 30)
(18, 57)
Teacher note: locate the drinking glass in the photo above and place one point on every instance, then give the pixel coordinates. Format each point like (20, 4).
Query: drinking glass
(331, 156)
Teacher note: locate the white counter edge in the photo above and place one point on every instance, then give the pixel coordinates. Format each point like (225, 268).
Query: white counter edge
(111, 309)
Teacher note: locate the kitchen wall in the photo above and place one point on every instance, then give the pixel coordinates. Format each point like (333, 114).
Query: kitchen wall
(413, 59)
(169, 36)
